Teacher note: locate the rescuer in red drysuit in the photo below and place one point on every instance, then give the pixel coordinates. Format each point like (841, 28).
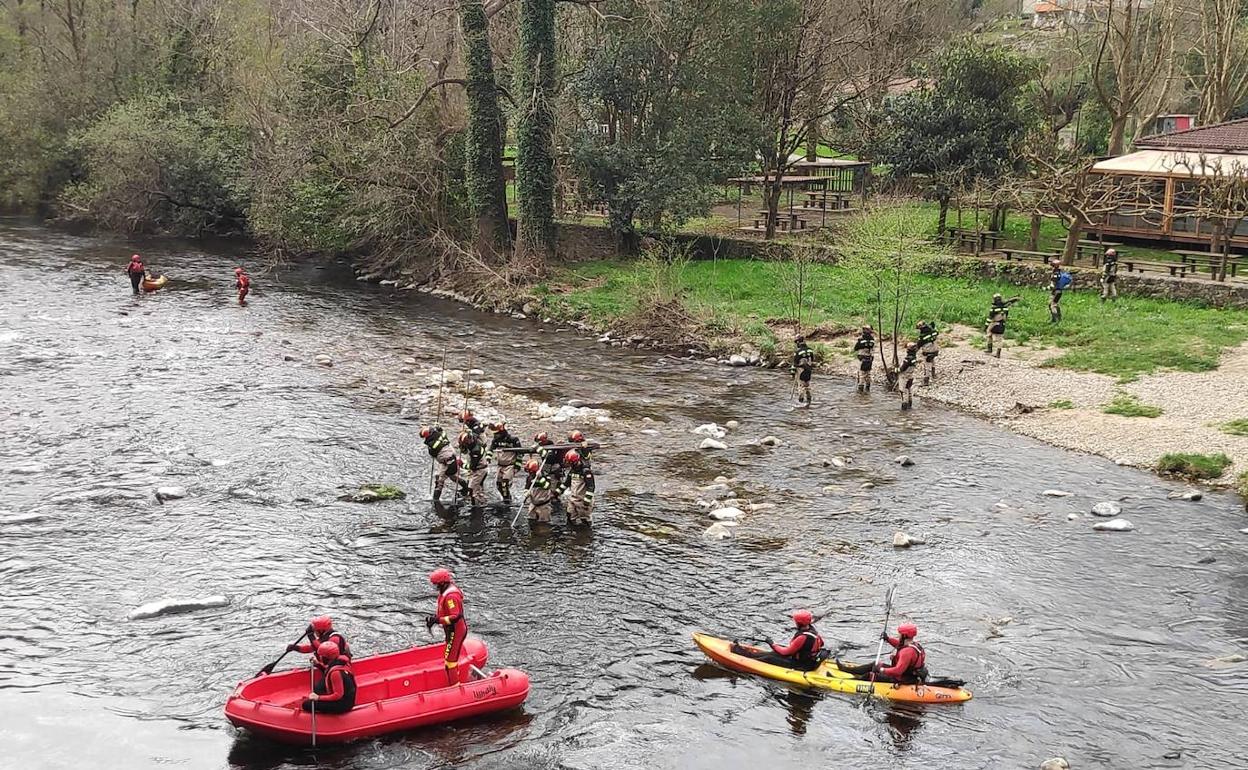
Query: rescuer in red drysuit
(335, 692)
(242, 282)
(802, 651)
(136, 270)
(321, 630)
(909, 663)
(450, 615)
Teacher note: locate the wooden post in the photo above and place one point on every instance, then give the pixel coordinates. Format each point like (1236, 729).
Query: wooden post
(1167, 208)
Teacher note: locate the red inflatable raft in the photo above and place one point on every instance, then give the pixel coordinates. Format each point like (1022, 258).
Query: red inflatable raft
(395, 691)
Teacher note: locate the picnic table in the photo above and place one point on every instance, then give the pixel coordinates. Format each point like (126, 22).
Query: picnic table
(980, 240)
(825, 200)
(1025, 255)
(1205, 259)
(785, 220)
(1139, 266)
(1094, 249)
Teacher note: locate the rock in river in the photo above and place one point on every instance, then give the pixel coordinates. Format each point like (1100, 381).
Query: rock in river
(904, 461)
(727, 514)
(738, 360)
(175, 606)
(1056, 493)
(324, 360)
(710, 429)
(170, 493)
(1113, 525)
(769, 441)
(720, 530)
(1106, 510)
(902, 540)
(710, 443)
(1191, 495)
(1056, 763)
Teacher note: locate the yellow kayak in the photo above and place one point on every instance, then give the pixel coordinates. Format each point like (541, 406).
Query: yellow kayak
(152, 284)
(827, 677)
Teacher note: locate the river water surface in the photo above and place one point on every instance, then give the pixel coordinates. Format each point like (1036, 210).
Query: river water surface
(105, 396)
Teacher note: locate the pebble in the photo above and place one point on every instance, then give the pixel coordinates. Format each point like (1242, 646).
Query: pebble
(651, 432)
(737, 359)
(904, 461)
(715, 489)
(718, 531)
(1106, 510)
(710, 429)
(1056, 493)
(324, 360)
(769, 441)
(409, 361)
(1191, 495)
(756, 507)
(1071, 516)
(732, 425)
(721, 480)
(710, 443)
(170, 493)
(867, 485)
(405, 370)
(729, 513)
(1113, 525)
(902, 540)
(837, 462)
(288, 357)
(1056, 763)
(1206, 560)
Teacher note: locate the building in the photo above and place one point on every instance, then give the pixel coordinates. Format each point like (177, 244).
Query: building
(1170, 168)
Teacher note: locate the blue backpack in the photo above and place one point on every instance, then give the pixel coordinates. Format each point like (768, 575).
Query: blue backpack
(1064, 279)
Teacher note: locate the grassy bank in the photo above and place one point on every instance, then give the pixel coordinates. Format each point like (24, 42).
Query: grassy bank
(739, 299)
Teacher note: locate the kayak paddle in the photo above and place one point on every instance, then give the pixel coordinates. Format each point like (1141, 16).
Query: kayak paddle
(312, 680)
(269, 668)
(888, 610)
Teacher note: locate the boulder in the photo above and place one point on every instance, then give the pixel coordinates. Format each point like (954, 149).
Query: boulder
(1056, 493)
(324, 360)
(769, 441)
(732, 425)
(1106, 510)
(1071, 516)
(710, 443)
(1190, 494)
(904, 461)
(902, 540)
(1056, 763)
(728, 513)
(710, 429)
(1227, 660)
(406, 370)
(737, 359)
(867, 485)
(720, 530)
(170, 493)
(1113, 525)
(756, 507)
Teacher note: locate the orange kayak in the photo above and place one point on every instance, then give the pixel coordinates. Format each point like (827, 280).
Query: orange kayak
(152, 284)
(828, 676)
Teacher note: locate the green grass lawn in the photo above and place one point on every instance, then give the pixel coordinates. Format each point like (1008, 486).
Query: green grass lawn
(1127, 338)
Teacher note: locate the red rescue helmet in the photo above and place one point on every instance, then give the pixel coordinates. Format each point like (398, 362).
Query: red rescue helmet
(532, 466)
(237, 270)
(803, 617)
(426, 432)
(466, 438)
(321, 624)
(907, 630)
(465, 416)
(440, 575)
(576, 437)
(328, 651)
(498, 427)
(572, 457)
(136, 258)
(541, 438)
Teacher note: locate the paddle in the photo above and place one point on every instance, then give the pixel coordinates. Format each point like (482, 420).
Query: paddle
(312, 682)
(269, 668)
(888, 610)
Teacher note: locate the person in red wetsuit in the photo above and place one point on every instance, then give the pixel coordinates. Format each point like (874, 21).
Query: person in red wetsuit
(450, 615)
(335, 692)
(802, 651)
(909, 662)
(321, 630)
(242, 282)
(136, 270)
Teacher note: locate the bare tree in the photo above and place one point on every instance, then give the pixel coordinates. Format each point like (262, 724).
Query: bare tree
(1220, 54)
(1134, 61)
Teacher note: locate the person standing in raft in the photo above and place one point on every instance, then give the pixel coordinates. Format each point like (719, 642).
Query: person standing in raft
(242, 282)
(803, 367)
(335, 692)
(136, 270)
(450, 615)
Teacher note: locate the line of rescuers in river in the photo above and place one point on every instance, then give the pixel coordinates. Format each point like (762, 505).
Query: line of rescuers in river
(333, 680)
(555, 474)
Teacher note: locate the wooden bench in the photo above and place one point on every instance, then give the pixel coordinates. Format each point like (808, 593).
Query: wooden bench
(1210, 261)
(984, 240)
(784, 221)
(1139, 266)
(1024, 255)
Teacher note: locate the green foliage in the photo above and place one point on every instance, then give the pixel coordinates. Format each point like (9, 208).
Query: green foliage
(1241, 486)
(483, 145)
(1237, 427)
(535, 121)
(1063, 403)
(385, 491)
(1128, 405)
(1193, 466)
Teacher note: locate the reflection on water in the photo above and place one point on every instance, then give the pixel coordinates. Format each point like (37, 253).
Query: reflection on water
(106, 397)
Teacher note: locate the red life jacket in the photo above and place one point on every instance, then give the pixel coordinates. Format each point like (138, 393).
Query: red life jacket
(920, 658)
(450, 605)
(811, 646)
(135, 266)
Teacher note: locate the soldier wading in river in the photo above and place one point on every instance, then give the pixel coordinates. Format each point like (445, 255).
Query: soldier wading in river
(505, 448)
(997, 316)
(803, 368)
(927, 346)
(864, 349)
(476, 461)
(579, 482)
(445, 462)
(905, 376)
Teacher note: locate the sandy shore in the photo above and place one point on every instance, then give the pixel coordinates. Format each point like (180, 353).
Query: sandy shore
(1016, 392)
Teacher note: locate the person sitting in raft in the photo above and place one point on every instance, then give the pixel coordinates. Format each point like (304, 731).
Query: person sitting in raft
(335, 692)
(803, 652)
(908, 664)
(321, 630)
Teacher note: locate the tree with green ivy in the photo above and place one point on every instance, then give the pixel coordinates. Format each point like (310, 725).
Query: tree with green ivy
(483, 142)
(535, 120)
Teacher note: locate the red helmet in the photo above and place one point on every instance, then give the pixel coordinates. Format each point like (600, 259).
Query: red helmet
(328, 651)
(541, 438)
(498, 427)
(237, 270)
(803, 617)
(465, 416)
(466, 438)
(572, 457)
(576, 437)
(907, 630)
(440, 575)
(322, 624)
(136, 257)
(426, 432)
(532, 466)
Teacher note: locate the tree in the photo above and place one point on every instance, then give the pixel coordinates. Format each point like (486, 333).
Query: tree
(1134, 61)
(1218, 194)
(966, 127)
(535, 120)
(1218, 62)
(483, 143)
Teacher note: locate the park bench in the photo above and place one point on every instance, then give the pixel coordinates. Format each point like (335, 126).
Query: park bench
(1205, 260)
(1024, 255)
(784, 221)
(981, 240)
(1139, 266)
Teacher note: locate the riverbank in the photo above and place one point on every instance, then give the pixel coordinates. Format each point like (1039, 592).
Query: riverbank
(1054, 383)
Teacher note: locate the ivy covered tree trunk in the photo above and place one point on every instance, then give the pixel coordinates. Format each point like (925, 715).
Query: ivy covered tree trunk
(487, 190)
(535, 162)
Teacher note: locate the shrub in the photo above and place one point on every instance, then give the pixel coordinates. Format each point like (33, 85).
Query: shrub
(1129, 406)
(1237, 427)
(1193, 466)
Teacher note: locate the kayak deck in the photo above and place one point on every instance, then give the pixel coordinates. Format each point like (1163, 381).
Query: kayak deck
(827, 677)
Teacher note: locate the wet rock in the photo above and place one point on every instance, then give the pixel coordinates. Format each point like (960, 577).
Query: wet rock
(1056, 493)
(838, 462)
(371, 493)
(710, 443)
(1106, 510)
(993, 632)
(902, 540)
(732, 425)
(1071, 516)
(710, 429)
(409, 361)
(710, 360)
(736, 359)
(867, 485)
(904, 461)
(1113, 525)
(528, 308)
(728, 513)
(324, 360)
(721, 480)
(1056, 763)
(720, 530)
(170, 493)
(519, 316)
(769, 441)
(406, 370)
(720, 489)
(1233, 659)
(1191, 495)
(651, 432)
(476, 372)
(389, 282)
(1206, 560)
(756, 507)
(288, 357)
(175, 606)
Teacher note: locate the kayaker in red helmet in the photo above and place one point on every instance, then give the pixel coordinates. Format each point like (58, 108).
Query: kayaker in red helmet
(321, 630)
(335, 692)
(908, 664)
(450, 615)
(802, 651)
(135, 270)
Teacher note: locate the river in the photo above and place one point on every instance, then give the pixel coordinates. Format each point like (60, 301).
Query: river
(106, 396)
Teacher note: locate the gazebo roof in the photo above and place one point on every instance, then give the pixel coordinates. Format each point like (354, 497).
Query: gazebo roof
(1175, 163)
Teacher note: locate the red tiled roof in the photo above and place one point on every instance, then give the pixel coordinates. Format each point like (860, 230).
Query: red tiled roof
(1231, 136)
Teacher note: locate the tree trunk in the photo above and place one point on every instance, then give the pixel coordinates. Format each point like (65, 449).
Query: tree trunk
(535, 162)
(774, 190)
(1226, 233)
(483, 146)
(812, 142)
(1071, 246)
(1117, 134)
(943, 218)
(997, 222)
(1033, 239)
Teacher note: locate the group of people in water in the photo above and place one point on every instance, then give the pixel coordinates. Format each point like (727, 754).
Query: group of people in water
(138, 274)
(803, 364)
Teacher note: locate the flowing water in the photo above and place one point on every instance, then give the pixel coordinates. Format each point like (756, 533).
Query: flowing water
(105, 396)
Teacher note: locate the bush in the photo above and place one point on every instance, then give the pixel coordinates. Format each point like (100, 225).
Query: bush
(1241, 486)
(1237, 427)
(1194, 466)
(1129, 406)
(1064, 403)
